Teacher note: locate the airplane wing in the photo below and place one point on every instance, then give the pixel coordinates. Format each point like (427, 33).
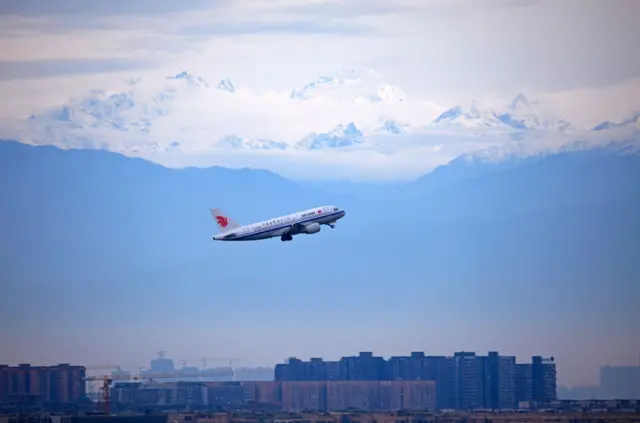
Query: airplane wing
(296, 228)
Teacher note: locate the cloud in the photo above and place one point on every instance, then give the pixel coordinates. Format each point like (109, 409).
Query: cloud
(405, 159)
(333, 9)
(593, 105)
(203, 114)
(446, 50)
(298, 26)
(46, 68)
(115, 7)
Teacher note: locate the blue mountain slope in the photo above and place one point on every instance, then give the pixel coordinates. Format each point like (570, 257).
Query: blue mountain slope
(92, 224)
(85, 209)
(513, 187)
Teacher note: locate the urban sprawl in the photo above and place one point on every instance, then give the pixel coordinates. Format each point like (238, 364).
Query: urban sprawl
(364, 383)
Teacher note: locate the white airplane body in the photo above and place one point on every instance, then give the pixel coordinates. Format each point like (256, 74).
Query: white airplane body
(285, 227)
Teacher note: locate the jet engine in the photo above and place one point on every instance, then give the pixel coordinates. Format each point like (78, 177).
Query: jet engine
(311, 228)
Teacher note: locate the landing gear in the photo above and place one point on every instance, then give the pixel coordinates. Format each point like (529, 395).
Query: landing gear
(332, 225)
(286, 237)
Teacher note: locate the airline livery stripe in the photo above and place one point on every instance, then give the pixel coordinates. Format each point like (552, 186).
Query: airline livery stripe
(318, 217)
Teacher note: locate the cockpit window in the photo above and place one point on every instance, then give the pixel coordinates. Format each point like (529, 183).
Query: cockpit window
(335, 209)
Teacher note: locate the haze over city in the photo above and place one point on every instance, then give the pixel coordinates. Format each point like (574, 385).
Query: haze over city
(486, 155)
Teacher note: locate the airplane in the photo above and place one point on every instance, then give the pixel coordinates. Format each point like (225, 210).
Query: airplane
(285, 227)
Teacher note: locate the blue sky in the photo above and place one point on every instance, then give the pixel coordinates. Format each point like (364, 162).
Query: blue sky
(578, 57)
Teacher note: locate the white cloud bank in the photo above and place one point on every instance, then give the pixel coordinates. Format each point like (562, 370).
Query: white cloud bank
(429, 56)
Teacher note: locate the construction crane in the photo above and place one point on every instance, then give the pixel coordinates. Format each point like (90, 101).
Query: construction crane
(107, 380)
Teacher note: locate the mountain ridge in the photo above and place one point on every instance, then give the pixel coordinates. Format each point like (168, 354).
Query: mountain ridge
(136, 113)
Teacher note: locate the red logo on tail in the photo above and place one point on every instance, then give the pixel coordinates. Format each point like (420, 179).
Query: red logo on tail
(222, 221)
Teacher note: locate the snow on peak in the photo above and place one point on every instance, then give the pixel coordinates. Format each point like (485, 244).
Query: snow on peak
(100, 109)
(519, 102)
(522, 113)
(391, 127)
(145, 112)
(324, 82)
(519, 114)
(235, 142)
(390, 93)
(135, 109)
(471, 116)
(350, 85)
(633, 120)
(190, 79)
(341, 136)
(225, 84)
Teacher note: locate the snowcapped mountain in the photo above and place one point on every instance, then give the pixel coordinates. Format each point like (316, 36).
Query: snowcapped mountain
(191, 80)
(621, 136)
(350, 86)
(391, 127)
(632, 122)
(185, 112)
(133, 110)
(520, 114)
(226, 85)
(471, 116)
(104, 109)
(341, 136)
(235, 142)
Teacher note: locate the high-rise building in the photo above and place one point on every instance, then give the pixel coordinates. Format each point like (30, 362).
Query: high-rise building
(162, 364)
(366, 395)
(441, 369)
(543, 379)
(362, 367)
(4, 384)
(398, 368)
(263, 393)
(464, 380)
(28, 384)
(468, 380)
(524, 382)
(507, 377)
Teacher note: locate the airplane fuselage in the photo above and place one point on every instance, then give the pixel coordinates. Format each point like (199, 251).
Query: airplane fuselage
(304, 222)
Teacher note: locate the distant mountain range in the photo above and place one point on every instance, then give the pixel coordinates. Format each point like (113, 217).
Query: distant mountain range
(520, 114)
(136, 115)
(82, 223)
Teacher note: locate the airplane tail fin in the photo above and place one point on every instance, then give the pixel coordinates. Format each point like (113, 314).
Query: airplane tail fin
(224, 222)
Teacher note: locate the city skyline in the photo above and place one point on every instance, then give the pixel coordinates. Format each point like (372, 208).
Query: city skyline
(616, 382)
(464, 381)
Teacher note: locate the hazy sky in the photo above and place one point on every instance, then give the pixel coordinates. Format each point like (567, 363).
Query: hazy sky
(441, 50)
(577, 57)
